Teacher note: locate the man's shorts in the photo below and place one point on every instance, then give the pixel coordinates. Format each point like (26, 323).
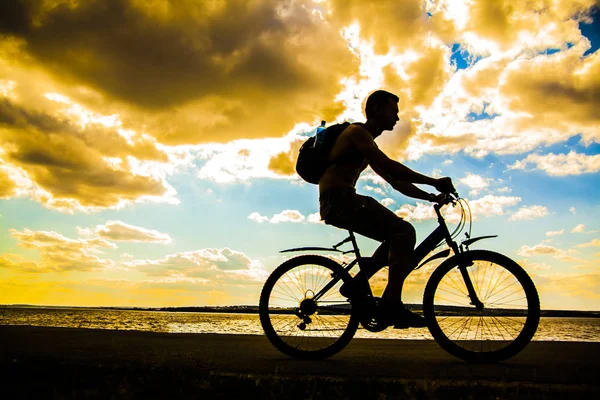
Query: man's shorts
(344, 208)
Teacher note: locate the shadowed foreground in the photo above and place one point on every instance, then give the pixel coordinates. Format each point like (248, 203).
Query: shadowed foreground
(66, 362)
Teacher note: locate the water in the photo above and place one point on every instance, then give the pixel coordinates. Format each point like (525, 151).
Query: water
(552, 329)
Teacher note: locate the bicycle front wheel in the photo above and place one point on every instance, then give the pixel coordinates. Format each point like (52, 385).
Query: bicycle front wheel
(302, 311)
(502, 327)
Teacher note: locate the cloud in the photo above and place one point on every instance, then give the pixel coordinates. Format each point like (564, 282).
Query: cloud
(418, 212)
(490, 205)
(555, 233)
(70, 159)
(578, 229)
(593, 243)
(7, 185)
(242, 160)
(561, 164)
(536, 266)
(256, 217)
(211, 266)
(573, 211)
(474, 181)
(197, 71)
(580, 291)
(121, 232)
(57, 253)
(534, 98)
(287, 216)
(529, 213)
(315, 218)
(387, 201)
(544, 249)
(91, 120)
(292, 216)
(486, 206)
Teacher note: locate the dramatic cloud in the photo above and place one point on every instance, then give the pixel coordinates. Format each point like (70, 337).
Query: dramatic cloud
(7, 185)
(219, 70)
(561, 164)
(517, 97)
(121, 232)
(70, 164)
(242, 160)
(529, 213)
(57, 253)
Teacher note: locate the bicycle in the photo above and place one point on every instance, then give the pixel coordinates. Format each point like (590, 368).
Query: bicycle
(480, 305)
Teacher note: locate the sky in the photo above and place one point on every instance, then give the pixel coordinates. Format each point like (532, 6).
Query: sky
(147, 147)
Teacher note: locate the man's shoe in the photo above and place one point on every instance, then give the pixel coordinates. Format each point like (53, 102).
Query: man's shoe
(404, 318)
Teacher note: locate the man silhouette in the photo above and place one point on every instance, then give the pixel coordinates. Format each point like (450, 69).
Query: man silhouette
(341, 206)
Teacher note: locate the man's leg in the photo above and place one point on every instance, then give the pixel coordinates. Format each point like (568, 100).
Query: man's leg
(366, 216)
(374, 220)
(401, 261)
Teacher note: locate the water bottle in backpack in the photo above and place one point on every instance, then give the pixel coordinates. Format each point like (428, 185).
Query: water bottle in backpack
(320, 136)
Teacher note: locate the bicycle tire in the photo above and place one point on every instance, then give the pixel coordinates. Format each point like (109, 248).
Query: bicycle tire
(505, 325)
(333, 322)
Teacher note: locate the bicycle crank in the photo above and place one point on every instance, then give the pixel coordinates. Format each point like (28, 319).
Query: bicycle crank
(371, 315)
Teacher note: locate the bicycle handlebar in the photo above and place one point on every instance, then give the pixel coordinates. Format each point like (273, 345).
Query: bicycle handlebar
(449, 198)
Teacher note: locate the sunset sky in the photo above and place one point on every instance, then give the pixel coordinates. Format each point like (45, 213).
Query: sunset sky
(147, 147)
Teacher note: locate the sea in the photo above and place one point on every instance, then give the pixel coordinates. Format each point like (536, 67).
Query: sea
(550, 328)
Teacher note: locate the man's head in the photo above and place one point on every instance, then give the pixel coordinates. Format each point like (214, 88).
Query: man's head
(382, 107)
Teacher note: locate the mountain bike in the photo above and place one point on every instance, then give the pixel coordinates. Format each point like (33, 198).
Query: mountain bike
(480, 305)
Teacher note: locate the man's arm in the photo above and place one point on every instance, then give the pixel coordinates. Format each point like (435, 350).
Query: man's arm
(406, 188)
(395, 171)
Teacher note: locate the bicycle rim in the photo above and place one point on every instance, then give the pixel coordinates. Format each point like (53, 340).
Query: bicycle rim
(298, 324)
(506, 323)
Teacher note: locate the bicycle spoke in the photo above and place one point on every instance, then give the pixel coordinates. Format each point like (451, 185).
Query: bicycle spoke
(296, 322)
(501, 327)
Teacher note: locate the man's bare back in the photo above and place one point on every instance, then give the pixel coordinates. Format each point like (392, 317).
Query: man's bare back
(347, 162)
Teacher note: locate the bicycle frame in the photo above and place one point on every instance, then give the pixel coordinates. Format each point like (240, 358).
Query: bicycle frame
(439, 234)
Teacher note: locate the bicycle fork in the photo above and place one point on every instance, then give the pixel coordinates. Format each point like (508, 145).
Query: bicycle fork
(469, 284)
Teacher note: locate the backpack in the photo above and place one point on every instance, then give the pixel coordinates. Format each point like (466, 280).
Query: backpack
(313, 161)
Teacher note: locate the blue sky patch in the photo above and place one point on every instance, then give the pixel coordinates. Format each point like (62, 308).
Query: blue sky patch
(473, 116)
(462, 58)
(592, 31)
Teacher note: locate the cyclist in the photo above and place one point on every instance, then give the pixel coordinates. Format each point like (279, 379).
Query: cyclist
(341, 206)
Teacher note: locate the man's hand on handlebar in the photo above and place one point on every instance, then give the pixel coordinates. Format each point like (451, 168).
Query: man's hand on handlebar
(440, 198)
(444, 185)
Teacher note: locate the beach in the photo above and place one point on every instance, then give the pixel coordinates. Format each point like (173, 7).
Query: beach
(46, 362)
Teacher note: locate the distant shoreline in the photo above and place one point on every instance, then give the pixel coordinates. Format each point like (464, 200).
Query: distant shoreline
(254, 310)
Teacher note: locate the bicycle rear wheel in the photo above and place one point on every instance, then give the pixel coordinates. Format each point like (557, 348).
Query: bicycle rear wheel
(508, 319)
(294, 321)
